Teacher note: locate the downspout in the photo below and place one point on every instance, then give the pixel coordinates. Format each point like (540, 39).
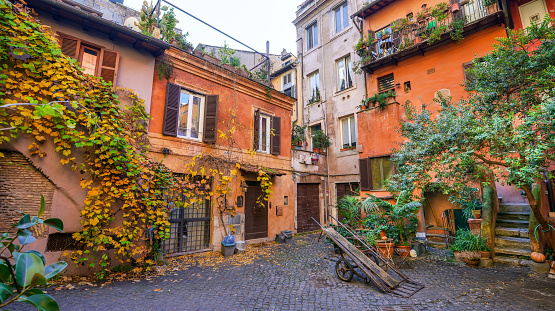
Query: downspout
(325, 108)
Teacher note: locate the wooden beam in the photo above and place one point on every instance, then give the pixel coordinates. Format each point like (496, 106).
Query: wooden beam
(113, 35)
(86, 24)
(55, 14)
(138, 44)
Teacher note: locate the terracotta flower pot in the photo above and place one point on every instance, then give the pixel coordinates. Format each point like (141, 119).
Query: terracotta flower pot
(382, 233)
(485, 255)
(403, 250)
(386, 249)
(477, 213)
(471, 262)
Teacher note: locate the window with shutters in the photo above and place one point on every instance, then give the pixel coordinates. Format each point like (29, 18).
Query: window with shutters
(341, 16)
(190, 115)
(94, 59)
(386, 83)
(267, 133)
(313, 88)
(312, 36)
(374, 171)
(287, 85)
(264, 134)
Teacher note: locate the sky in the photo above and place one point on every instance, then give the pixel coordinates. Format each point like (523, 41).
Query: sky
(252, 22)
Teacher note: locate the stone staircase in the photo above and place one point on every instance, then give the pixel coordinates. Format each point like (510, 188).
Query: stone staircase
(512, 242)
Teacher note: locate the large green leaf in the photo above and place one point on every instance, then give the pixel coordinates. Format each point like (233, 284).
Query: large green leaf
(33, 291)
(52, 270)
(5, 291)
(25, 222)
(42, 204)
(38, 254)
(24, 232)
(24, 240)
(38, 279)
(55, 223)
(27, 265)
(4, 273)
(42, 302)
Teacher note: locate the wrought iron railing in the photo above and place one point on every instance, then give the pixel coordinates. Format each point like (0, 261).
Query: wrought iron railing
(427, 29)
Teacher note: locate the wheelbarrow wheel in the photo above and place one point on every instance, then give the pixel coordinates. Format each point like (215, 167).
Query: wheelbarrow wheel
(344, 270)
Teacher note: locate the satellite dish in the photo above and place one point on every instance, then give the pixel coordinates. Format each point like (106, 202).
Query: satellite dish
(132, 22)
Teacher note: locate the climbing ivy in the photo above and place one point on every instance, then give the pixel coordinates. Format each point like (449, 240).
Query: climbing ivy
(93, 132)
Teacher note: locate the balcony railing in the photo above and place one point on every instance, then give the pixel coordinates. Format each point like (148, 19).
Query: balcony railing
(425, 29)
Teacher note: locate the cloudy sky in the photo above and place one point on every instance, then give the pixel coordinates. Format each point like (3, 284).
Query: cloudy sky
(252, 22)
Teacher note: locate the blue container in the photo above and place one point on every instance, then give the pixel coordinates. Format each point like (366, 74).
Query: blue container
(229, 240)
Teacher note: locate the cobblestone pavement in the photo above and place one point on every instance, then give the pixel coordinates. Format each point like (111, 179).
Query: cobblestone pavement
(296, 276)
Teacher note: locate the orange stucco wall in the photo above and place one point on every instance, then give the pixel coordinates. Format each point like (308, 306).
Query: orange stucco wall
(438, 69)
(243, 96)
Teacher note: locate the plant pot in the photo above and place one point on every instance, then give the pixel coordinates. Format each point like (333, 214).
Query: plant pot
(403, 250)
(463, 2)
(432, 25)
(385, 36)
(457, 255)
(382, 233)
(477, 213)
(317, 150)
(386, 248)
(485, 255)
(471, 262)
(455, 8)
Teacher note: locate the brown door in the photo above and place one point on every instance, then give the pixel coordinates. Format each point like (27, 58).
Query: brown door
(308, 206)
(256, 213)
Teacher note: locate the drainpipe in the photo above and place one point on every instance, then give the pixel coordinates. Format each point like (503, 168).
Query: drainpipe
(325, 108)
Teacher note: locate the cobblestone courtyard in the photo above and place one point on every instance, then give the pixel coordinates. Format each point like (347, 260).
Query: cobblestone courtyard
(296, 276)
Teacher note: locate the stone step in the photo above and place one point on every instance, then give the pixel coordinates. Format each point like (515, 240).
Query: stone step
(513, 223)
(514, 215)
(512, 261)
(435, 237)
(512, 251)
(512, 242)
(514, 207)
(512, 232)
(436, 244)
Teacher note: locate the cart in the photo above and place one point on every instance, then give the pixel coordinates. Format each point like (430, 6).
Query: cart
(365, 262)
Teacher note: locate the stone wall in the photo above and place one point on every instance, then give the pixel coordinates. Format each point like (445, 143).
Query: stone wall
(21, 185)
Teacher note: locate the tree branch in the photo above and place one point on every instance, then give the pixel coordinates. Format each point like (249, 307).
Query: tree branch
(490, 162)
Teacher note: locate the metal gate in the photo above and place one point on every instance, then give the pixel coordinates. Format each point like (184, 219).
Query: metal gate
(189, 229)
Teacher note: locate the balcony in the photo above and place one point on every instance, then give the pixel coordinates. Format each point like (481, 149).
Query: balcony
(429, 29)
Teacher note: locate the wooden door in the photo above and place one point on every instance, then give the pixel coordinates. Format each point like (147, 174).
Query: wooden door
(308, 206)
(256, 213)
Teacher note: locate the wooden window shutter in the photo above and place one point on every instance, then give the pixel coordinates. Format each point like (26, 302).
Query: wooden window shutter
(171, 111)
(256, 129)
(386, 83)
(108, 68)
(365, 175)
(211, 119)
(70, 46)
(275, 136)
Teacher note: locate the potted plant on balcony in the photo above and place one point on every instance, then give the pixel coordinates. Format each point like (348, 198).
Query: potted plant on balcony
(360, 46)
(298, 135)
(320, 141)
(385, 34)
(457, 33)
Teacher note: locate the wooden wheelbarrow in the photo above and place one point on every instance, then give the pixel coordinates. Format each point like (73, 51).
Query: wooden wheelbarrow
(367, 263)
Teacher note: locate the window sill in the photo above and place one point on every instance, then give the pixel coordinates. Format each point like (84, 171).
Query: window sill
(347, 149)
(311, 49)
(189, 138)
(345, 90)
(341, 32)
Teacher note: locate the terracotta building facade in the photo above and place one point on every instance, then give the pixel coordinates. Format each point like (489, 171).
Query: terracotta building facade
(189, 113)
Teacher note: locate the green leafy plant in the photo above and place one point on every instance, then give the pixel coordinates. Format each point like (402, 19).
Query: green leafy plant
(457, 32)
(488, 2)
(298, 133)
(380, 98)
(320, 140)
(401, 215)
(467, 198)
(465, 240)
(22, 271)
